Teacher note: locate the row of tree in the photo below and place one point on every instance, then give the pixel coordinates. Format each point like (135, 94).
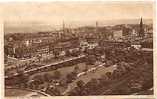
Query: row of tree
(129, 77)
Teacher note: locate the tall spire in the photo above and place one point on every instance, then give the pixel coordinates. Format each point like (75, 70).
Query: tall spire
(96, 30)
(141, 22)
(141, 30)
(63, 26)
(96, 26)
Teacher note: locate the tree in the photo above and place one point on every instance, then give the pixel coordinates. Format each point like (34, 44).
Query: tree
(116, 74)
(103, 79)
(39, 79)
(75, 52)
(71, 76)
(109, 74)
(86, 68)
(56, 74)
(78, 90)
(90, 60)
(108, 63)
(22, 78)
(47, 77)
(92, 86)
(5, 58)
(76, 69)
(80, 84)
(67, 53)
(56, 53)
(39, 56)
(53, 91)
(6, 51)
(51, 47)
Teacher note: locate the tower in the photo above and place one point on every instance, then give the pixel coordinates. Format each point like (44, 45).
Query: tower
(141, 30)
(96, 30)
(63, 27)
(60, 34)
(96, 26)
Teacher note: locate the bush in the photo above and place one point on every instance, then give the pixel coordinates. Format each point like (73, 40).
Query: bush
(39, 79)
(80, 84)
(70, 77)
(48, 77)
(57, 75)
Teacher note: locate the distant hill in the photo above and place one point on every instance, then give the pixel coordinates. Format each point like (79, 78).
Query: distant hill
(26, 28)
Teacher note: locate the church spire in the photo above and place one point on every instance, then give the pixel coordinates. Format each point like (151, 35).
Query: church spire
(141, 22)
(141, 30)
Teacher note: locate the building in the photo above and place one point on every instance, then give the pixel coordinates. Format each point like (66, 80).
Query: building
(134, 33)
(28, 45)
(117, 34)
(149, 31)
(127, 31)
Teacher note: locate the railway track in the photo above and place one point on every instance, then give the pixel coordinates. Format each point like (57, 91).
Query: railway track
(60, 64)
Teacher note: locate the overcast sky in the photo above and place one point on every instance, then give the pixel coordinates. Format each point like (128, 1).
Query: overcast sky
(84, 12)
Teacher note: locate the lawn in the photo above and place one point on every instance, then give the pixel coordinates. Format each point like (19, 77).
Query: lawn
(64, 71)
(86, 78)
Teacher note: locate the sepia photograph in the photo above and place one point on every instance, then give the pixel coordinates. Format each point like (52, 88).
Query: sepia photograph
(78, 49)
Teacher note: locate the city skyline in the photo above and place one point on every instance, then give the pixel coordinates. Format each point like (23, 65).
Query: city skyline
(32, 27)
(51, 15)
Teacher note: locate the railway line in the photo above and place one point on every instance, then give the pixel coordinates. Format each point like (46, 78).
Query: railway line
(52, 66)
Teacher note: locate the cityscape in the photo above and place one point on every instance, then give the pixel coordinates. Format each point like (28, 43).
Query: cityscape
(80, 61)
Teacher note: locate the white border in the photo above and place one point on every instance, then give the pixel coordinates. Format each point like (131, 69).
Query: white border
(85, 97)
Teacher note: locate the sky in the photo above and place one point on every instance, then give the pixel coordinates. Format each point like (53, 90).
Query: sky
(73, 13)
